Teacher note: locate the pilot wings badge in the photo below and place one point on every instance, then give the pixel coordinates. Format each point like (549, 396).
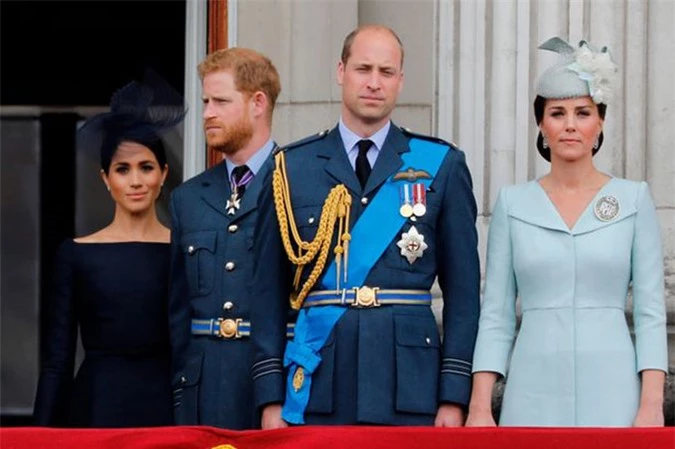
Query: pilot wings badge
(412, 245)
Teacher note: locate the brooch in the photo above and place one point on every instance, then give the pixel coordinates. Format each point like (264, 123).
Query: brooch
(606, 208)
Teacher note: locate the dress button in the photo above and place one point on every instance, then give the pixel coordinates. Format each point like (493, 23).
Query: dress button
(364, 200)
(191, 249)
(183, 379)
(228, 305)
(428, 340)
(229, 266)
(310, 220)
(232, 228)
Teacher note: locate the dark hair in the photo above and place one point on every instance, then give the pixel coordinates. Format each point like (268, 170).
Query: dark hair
(539, 106)
(109, 148)
(349, 40)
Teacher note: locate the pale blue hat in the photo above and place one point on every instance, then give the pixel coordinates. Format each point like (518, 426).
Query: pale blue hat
(582, 71)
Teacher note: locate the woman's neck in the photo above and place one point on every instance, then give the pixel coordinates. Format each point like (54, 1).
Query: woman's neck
(143, 227)
(574, 176)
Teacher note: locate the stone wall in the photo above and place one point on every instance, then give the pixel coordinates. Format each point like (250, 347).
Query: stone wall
(469, 74)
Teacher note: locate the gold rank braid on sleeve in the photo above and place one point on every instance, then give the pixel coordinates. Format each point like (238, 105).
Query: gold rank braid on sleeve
(336, 210)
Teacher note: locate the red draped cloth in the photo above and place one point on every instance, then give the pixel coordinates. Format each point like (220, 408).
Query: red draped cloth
(339, 437)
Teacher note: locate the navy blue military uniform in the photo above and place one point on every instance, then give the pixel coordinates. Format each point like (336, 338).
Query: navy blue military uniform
(212, 263)
(380, 365)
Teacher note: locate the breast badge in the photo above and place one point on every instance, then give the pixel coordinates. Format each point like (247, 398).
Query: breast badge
(411, 175)
(413, 200)
(233, 204)
(606, 208)
(412, 245)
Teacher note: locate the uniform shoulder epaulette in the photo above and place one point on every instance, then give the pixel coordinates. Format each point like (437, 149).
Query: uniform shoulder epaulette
(301, 142)
(410, 133)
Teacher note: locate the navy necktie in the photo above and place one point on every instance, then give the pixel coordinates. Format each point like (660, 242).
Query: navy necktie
(241, 176)
(362, 165)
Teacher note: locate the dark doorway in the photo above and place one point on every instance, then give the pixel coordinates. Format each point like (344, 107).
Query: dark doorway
(56, 57)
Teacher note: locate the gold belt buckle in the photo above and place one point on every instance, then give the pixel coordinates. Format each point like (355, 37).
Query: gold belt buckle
(229, 328)
(365, 297)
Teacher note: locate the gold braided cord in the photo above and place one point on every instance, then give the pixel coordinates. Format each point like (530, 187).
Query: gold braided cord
(336, 210)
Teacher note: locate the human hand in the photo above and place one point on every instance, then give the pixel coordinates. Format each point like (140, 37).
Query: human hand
(649, 416)
(271, 418)
(480, 419)
(449, 415)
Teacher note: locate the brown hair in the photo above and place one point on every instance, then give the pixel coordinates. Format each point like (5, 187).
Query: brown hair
(252, 71)
(349, 40)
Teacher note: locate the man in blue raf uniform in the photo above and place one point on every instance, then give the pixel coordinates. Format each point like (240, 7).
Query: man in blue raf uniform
(369, 215)
(213, 218)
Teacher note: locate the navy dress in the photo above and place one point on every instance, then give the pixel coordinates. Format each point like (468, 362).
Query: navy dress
(116, 293)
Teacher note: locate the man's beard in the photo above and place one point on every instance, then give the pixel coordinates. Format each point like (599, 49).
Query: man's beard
(233, 138)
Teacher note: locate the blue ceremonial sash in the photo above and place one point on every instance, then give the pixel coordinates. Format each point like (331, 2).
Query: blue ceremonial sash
(378, 226)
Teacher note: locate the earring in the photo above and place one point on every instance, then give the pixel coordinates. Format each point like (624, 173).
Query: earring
(596, 144)
(108, 187)
(544, 143)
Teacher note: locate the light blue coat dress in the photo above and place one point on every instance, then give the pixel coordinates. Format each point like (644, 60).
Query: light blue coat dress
(573, 362)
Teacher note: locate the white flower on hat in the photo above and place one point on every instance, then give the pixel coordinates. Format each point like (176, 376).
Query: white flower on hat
(598, 70)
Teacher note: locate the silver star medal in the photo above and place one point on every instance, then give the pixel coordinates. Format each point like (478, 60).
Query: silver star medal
(412, 245)
(606, 208)
(233, 204)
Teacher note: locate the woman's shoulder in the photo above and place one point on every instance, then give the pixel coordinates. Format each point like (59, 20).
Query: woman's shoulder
(107, 236)
(628, 191)
(521, 192)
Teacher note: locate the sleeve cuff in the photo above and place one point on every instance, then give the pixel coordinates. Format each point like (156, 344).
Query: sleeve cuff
(455, 385)
(268, 381)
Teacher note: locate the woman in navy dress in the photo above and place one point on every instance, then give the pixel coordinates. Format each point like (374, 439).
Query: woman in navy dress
(112, 284)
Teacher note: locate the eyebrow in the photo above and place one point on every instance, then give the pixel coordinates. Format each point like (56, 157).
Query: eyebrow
(563, 108)
(148, 161)
(214, 98)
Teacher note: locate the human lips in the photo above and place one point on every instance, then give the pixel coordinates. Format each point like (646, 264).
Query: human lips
(211, 126)
(136, 195)
(371, 98)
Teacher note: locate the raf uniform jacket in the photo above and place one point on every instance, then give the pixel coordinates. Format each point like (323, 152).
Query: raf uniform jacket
(385, 365)
(212, 263)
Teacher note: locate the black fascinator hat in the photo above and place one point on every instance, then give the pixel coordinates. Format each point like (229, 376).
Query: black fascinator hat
(139, 112)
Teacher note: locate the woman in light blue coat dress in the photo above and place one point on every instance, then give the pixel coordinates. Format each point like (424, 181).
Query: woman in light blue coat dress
(570, 245)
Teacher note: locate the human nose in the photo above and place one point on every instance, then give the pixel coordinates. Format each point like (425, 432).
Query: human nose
(570, 123)
(208, 110)
(374, 81)
(135, 178)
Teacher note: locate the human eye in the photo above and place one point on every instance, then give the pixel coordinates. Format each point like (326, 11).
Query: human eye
(122, 169)
(147, 167)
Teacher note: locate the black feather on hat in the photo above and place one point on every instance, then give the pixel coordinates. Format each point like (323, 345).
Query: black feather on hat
(139, 112)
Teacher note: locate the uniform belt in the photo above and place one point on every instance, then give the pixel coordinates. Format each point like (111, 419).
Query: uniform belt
(229, 328)
(367, 297)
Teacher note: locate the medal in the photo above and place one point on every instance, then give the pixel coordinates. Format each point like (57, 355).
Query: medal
(412, 245)
(406, 209)
(606, 208)
(233, 204)
(419, 199)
